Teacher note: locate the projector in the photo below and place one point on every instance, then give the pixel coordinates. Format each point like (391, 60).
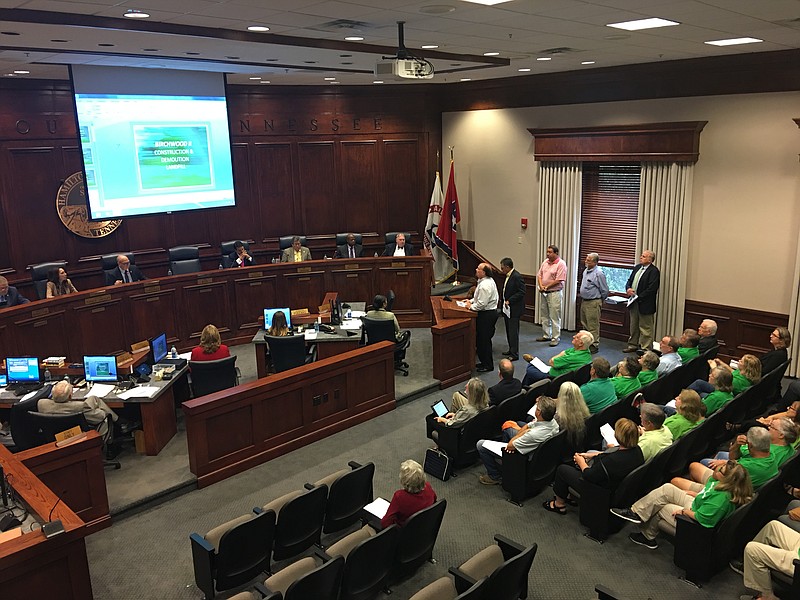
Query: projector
(405, 68)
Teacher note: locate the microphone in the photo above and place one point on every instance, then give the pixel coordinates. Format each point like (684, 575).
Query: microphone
(53, 528)
(3, 490)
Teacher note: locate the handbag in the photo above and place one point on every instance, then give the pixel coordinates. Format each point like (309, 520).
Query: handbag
(437, 464)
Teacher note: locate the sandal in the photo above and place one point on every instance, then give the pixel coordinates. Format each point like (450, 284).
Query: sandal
(551, 506)
(792, 491)
(571, 501)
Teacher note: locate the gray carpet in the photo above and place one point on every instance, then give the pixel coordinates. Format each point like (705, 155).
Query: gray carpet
(147, 553)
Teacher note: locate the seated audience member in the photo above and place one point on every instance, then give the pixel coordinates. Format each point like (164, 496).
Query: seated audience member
(61, 403)
(782, 436)
(746, 374)
(599, 391)
(653, 436)
(126, 272)
(792, 413)
(780, 339)
(379, 313)
(728, 488)
(477, 401)
(399, 247)
(567, 360)
(774, 548)
(415, 495)
(606, 469)
(211, 346)
(507, 386)
(278, 327)
(670, 359)
(520, 437)
(688, 345)
(349, 249)
(627, 379)
(708, 335)
(688, 414)
(649, 363)
(240, 257)
(722, 381)
(59, 284)
(9, 295)
(759, 462)
(297, 253)
(571, 414)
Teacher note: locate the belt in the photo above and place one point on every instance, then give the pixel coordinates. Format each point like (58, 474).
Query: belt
(550, 291)
(590, 299)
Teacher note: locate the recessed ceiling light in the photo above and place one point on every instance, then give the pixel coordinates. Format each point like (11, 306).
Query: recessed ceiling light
(14, 33)
(60, 41)
(378, 81)
(106, 45)
(10, 75)
(258, 28)
(544, 58)
(334, 82)
(255, 78)
(330, 78)
(310, 62)
(466, 79)
(149, 49)
(232, 57)
(640, 24)
(525, 70)
(264, 81)
(192, 54)
(734, 41)
(437, 9)
(588, 62)
(429, 47)
(136, 14)
(354, 38)
(491, 54)
(21, 72)
(487, 2)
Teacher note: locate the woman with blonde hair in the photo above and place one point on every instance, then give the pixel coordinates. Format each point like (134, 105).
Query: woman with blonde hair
(211, 346)
(415, 495)
(689, 414)
(477, 400)
(571, 413)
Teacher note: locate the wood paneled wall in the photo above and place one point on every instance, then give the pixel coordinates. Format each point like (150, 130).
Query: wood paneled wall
(308, 161)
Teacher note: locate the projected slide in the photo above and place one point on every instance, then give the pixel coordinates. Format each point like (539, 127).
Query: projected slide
(147, 154)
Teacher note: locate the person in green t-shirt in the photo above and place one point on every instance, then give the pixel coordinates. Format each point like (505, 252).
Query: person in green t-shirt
(649, 362)
(689, 415)
(722, 380)
(563, 362)
(729, 487)
(599, 391)
(627, 380)
(688, 349)
(747, 373)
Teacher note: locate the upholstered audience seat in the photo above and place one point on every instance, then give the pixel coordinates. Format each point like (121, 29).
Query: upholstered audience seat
(349, 491)
(300, 515)
(445, 589)
(505, 565)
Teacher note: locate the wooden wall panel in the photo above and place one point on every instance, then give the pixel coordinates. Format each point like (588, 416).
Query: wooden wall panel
(242, 222)
(355, 285)
(360, 176)
(402, 162)
(304, 287)
(273, 175)
(101, 327)
(318, 182)
(252, 294)
(45, 335)
(155, 312)
(204, 303)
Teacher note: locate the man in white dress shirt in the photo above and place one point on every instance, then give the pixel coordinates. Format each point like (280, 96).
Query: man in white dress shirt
(484, 301)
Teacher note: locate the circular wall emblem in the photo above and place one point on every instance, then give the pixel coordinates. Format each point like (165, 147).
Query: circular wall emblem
(74, 214)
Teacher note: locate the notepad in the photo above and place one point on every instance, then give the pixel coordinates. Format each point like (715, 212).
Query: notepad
(607, 431)
(536, 362)
(494, 447)
(378, 507)
(100, 390)
(144, 391)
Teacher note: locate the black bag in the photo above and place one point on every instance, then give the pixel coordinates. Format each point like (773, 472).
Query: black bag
(437, 463)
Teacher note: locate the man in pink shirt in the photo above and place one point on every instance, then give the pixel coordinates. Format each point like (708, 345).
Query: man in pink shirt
(550, 281)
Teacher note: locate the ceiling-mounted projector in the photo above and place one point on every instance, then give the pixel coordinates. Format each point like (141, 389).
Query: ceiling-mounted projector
(403, 64)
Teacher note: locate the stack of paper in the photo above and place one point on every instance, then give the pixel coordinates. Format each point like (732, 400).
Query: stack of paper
(378, 507)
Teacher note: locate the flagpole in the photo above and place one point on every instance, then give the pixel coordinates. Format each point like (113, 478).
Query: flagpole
(455, 281)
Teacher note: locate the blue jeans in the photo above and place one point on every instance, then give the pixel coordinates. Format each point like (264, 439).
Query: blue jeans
(702, 387)
(490, 460)
(719, 456)
(532, 375)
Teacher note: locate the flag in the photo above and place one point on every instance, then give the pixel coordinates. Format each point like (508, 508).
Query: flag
(442, 268)
(451, 215)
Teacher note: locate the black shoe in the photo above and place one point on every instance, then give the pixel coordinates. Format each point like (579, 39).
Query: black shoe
(640, 352)
(509, 353)
(484, 369)
(594, 350)
(630, 349)
(638, 538)
(513, 357)
(627, 514)
(737, 566)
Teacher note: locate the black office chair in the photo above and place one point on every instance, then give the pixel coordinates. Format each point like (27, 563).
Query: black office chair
(209, 376)
(24, 431)
(226, 249)
(48, 425)
(390, 237)
(39, 276)
(382, 330)
(390, 297)
(108, 262)
(341, 238)
(285, 241)
(184, 259)
(288, 352)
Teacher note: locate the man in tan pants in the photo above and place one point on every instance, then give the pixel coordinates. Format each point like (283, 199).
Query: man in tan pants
(774, 548)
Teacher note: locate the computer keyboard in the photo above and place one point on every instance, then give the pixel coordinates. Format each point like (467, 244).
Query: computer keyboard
(20, 389)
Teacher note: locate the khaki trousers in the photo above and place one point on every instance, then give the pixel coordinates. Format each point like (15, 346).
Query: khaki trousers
(774, 547)
(590, 318)
(550, 314)
(659, 505)
(641, 329)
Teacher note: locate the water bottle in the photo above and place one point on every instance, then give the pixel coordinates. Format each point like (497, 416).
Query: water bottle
(169, 272)
(173, 353)
(349, 314)
(317, 324)
(376, 255)
(48, 377)
(220, 266)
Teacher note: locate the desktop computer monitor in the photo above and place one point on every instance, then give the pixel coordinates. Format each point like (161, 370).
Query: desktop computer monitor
(336, 312)
(100, 368)
(22, 370)
(158, 347)
(270, 312)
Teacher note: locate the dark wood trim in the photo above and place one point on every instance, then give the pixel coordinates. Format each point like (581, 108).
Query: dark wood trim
(453, 346)
(646, 142)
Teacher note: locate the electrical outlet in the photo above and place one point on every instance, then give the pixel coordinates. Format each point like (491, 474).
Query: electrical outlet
(519, 239)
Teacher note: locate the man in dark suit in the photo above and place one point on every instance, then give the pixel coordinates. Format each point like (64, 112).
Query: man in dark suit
(400, 247)
(124, 273)
(643, 283)
(508, 385)
(708, 335)
(9, 295)
(513, 305)
(240, 257)
(350, 249)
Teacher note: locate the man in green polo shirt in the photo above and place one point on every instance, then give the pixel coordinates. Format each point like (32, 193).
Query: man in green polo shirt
(688, 348)
(627, 379)
(563, 362)
(649, 361)
(599, 392)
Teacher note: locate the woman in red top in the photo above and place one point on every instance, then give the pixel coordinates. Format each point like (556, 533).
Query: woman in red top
(416, 494)
(211, 346)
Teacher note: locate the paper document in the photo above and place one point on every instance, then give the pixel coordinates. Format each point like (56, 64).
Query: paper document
(144, 391)
(507, 310)
(101, 390)
(29, 395)
(494, 447)
(671, 404)
(616, 299)
(461, 303)
(536, 362)
(657, 346)
(607, 431)
(378, 507)
(351, 325)
(186, 355)
(734, 363)
(632, 299)
(357, 314)
(532, 411)
(310, 334)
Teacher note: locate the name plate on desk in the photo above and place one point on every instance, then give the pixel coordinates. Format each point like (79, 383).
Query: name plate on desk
(40, 313)
(256, 274)
(97, 299)
(398, 265)
(351, 267)
(204, 280)
(152, 289)
(304, 270)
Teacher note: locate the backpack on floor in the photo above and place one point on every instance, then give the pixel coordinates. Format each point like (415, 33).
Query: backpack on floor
(437, 464)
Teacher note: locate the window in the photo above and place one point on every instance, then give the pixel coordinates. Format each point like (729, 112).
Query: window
(609, 210)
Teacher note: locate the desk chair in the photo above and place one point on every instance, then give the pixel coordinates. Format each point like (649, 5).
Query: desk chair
(382, 330)
(288, 352)
(341, 239)
(209, 376)
(108, 262)
(39, 276)
(285, 241)
(390, 297)
(226, 249)
(48, 425)
(184, 259)
(24, 431)
(390, 237)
